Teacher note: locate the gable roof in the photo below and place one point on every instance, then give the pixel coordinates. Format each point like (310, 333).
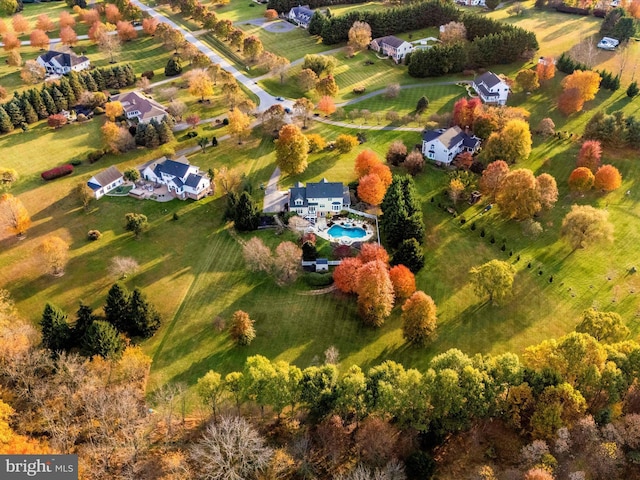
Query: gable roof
(173, 168)
(64, 59)
(103, 178)
(390, 40)
(490, 79)
(135, 101)
(324, 189)
(450, 137)
(193, 180)
(302, 12)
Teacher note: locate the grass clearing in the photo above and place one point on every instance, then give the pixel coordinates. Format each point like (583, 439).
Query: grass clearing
(292, 45)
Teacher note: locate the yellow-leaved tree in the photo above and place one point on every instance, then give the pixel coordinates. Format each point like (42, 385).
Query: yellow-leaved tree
(13, 215)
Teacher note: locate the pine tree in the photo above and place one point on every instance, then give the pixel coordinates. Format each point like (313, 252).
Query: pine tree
(102, 339)
(15, 113)
(67, 91)
(89, 82)
(55, 329)
(5, 121)
(410, 255)
(84, 319)
(116, 306)
(165, 134)
(38, 105)
(75, 83)
(140, 134)
(143, 319)
(247, 215)
(151, 139)
(59, 99)
(120, 77)
(633, 90)
(30, 114)
(49, 104)
(129, 74)
(99, 80)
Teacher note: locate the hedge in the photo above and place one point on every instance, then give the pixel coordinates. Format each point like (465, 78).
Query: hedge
(57, 172)
(314, 279)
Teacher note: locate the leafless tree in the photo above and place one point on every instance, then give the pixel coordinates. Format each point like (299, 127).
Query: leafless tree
(332, 355)
(121, 267)
(257, 255)
(286, 263)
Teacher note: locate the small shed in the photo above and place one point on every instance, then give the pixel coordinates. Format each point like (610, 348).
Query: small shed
(322, 265)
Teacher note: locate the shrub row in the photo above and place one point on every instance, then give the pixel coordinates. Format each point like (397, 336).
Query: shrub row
(57, 172)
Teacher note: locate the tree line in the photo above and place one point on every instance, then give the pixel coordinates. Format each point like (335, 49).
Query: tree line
(614, 129)
(283, 6)
(37, 104)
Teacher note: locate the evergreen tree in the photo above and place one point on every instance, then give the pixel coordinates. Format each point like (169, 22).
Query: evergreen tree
(38, 105)
(129, 74)
(140, 134)
(120, 77)
(49, 104)
(99, 80)
(142, 318)
(84, 319)
(247, 214)
(422, 105)
(232, 202)
(90, 82)
(410, 255)
(102, 339)
(55, 329)
(165, 134)
(317, 23)
(67, 91)
(151, 139)
(59, 99)
(173, 67)
(5, 121)
(15, 113)
(633, 90)
(30, 114)
(75, 82)
(116, 306)
(110, 79)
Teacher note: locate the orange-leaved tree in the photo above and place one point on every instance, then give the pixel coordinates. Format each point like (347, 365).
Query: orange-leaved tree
(44, 23)
(68, 36)
(326, 105)
(149, 25)
(518, 196)
(345, 275)
(39, 39)
(587, 82)
(13, 215)
(419, 319)
(373, 252)
(365, 162)
(375, 293)
(570, 101)
(491, 178)
(590, 155)
(66, 20)
(581, 180)
(126, 31)
(546, 69)
(607, 178)
(466, 111)
(403, 280)
(371, 189)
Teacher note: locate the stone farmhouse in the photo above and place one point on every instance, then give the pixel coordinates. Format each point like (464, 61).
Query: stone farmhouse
(394, 47)
(140, 108)
(443, 145)
(491, 88)
(61, 63)
(105, 181)
(301, 15)
(182, 179)
(318, 199)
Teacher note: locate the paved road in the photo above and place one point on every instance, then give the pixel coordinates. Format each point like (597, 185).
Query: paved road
(265, 100)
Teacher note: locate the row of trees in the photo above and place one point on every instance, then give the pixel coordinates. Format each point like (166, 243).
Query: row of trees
(283, 6)
(37, 104)
(614, 129)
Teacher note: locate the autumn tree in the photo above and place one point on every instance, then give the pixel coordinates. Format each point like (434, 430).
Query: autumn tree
(13, 215)
(345, 143)
(327, 86)
(375, 293)
(136, 223)
(326, 105)
(570, 101)
(303, 108)
(39, 39)
(546, 69)
(112, 13)
(511, 144)
(68, 36)
(527, 80)
(607, 178)
(149, 25)
(371, 189)
(211, 390)
(586, 82)
(286, 263)
(548, 190)
(252, 48)
(465, 112)
(271, 14)
(581, 180)
(8, 176)
(20, 24)
(606, 327)
(494, 278)
(241, 329)
(32, 72)
(345, 275)
(239, 123)
(54, 255)
(10, 41)
(66, 19)
(419, 319)
(453, 32)
(403, 280)
(126, 31)
(257, 255)
(316, 142)
(414, 163)
(292, 149)
(397, 153)
(590, 155)
(200, 84)
(113, 110)
(307, 79)
(518, 196)
(546, 127)
(359, 35)
(584, 226)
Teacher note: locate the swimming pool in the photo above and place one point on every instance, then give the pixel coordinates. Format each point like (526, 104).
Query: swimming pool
(351, 232)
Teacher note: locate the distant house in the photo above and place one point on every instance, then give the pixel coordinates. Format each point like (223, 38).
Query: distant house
(472, 3)
(301, 15)
(318, 199)
(394, 47)
(443, 145)
(61, 63)
(105, 181)
(181, 178)
(139, 107)
(491, 88)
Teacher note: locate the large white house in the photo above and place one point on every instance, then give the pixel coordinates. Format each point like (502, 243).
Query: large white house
(443, 145)
(105, 181)
(181, 178)
(491, 88)
(301, 15)
(137, 106)
(317, 199)
(61, 63)
(392, 46)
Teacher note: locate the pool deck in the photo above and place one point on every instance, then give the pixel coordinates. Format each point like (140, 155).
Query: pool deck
(323, 232)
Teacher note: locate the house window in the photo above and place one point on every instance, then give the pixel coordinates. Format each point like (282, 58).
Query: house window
(312, 209)
(431, 155)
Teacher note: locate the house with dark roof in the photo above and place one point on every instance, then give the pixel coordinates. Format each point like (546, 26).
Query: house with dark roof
(301, 15)
(138, 107)
(491, 88)
(317, 199)
(443, 145)
(61, 63)
(105, 181)
(391, 46)
(182, 179)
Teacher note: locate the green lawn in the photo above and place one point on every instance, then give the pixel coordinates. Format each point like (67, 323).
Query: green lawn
(240, 10)
(52, 10)
(292, 45)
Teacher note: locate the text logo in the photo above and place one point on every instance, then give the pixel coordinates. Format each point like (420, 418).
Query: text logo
(45, 467)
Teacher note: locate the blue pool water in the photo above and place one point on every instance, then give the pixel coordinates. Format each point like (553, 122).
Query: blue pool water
(351, 232)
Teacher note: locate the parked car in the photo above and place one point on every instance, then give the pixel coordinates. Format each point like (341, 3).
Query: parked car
(280, 99)
(608, 43)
